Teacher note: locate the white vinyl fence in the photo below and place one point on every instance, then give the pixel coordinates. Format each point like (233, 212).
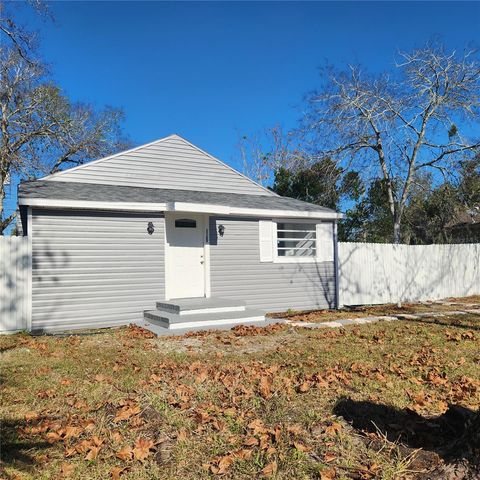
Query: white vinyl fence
(15, 283)
(385, 273)
(369, 273)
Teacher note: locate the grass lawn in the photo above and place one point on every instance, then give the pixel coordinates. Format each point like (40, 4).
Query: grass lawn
(279, 402)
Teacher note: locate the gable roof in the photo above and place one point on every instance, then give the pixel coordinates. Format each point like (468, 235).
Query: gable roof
(171, 162)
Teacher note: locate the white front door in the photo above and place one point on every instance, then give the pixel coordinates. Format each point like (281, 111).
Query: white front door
(185, 255)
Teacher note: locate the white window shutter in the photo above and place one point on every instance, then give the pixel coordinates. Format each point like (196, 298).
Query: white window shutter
(265, 231)
(325, 242)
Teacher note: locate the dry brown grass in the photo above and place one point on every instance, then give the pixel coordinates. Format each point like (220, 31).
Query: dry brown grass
(281, 402)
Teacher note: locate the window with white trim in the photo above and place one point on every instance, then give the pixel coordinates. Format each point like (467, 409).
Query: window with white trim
(290, 241)
(296, 239)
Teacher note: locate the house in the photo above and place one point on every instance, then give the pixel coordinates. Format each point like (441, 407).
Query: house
(465, 226)
(167, 232)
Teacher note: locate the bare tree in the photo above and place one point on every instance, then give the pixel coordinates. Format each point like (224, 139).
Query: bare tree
(265, 152)
(21, 39)
(42, 130)
(400, 124)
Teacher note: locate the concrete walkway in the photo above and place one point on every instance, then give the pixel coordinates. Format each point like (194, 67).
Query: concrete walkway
(388, 318)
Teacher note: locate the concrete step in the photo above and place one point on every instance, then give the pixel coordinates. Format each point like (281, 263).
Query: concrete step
(193, 306)
(166, 332)
(172, 321)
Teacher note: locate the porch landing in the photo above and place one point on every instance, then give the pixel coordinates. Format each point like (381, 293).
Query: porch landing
(178, 316)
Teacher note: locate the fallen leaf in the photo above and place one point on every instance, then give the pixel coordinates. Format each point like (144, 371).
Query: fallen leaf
(53, 437)
(328, 474)
(270, 469)
(329, 457)
(72, 432)
(333, 429)
(93, 453)
(126, 412)
(31, 416)
(67, 469)
(301, 447)
(250, 442)
(142, 448)
(265, 387)
(115, 472)
(125, 453)
(224, 464)
(202, 376)
(116, 436)
(304, 387)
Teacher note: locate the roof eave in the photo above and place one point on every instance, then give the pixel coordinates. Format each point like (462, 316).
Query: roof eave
(177, 207)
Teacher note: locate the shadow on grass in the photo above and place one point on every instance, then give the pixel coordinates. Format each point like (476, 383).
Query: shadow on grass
(453, 436)
(467, 321)
(18, 449)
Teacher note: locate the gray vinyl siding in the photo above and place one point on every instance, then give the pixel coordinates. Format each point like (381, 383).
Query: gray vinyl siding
(172, 163)
(237, 273)
(94, 269)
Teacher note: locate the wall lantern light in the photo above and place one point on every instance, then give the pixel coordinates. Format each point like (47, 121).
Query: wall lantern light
(150, 228)
(221, 230)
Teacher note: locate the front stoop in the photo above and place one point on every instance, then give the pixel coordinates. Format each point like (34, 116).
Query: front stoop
(197, 313)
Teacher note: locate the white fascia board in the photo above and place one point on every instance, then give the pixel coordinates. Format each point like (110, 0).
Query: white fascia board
(260, 212)
(91, 205)
(177, 207)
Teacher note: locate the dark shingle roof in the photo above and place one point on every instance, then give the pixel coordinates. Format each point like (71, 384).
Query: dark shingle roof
(48, 189)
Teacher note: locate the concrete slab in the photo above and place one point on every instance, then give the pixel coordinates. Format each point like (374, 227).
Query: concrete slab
(184, 306)
(165, 332)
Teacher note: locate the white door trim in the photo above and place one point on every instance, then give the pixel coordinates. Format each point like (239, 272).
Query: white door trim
(169, 294)
(206, 254)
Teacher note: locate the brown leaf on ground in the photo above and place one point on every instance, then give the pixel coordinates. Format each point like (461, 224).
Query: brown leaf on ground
(270, 469)
(67, 469)
(93, 453)
(115, 472)
(328, 474)
(29, 416)
(116, 436)
(257, 426)
(301, 447)
(126, 412)
(250, 442)
(71, 431)
(329, 457)
(142, 448)
(125, 453)
(304, 387)
(134, 331)
(265, 387)
(202, 376)
(333, 429)
(53, 437)
(224, 464)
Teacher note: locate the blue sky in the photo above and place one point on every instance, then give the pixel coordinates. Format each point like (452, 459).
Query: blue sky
(213, 71)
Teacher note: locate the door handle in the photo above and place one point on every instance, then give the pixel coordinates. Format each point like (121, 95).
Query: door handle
(201, 262)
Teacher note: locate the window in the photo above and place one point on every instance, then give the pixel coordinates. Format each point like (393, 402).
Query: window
(296, 239)
(185, 223)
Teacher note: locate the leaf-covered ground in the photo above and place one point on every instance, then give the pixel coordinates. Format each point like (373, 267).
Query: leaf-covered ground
(362, 402)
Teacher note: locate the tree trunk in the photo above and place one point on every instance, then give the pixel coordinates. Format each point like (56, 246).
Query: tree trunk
(397, 233)
(2, 196)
